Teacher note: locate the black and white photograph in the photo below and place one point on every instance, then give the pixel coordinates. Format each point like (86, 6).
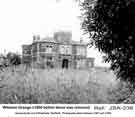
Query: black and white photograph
(67, 51)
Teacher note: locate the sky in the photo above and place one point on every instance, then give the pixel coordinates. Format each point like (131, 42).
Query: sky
(21, 19)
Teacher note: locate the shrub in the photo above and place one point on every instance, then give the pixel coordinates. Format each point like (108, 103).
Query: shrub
(124, 93)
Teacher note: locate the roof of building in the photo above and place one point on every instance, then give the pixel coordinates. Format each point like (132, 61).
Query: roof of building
(48, 39)
(52, 40)
(78, 43)
(59, 37)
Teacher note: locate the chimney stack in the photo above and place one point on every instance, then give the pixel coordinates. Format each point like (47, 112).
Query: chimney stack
(38, 37)
(34, 38)
(81, 40)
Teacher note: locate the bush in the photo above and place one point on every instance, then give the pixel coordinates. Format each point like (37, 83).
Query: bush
(124, 93)
(14, 59)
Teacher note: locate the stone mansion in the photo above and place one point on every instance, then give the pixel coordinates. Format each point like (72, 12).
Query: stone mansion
(59, 51)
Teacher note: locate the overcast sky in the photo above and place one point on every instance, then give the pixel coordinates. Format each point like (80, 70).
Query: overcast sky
(20, 19)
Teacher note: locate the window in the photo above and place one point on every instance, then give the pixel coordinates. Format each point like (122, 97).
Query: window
(49, 58)
(42, 47)
(81, 63)
(45, 48)
(48, 49)
(65, 49)
(49, 62)
(81, 51)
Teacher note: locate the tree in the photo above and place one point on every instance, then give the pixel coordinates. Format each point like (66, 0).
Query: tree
(114, 33)
(14, 59)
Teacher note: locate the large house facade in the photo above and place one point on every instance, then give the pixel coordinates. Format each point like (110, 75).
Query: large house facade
(57, 52)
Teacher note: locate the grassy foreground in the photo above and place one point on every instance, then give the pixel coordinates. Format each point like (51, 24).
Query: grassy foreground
(55, 86)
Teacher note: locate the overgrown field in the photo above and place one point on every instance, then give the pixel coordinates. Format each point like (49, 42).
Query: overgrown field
(56, 86)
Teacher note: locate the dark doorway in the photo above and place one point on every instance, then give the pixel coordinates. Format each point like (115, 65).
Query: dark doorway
(65, 63)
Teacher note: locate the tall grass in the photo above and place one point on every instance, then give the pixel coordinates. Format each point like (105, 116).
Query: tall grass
(31, 86)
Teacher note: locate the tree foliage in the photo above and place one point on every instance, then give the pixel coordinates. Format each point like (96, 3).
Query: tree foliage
(13, 58)
(114, 33)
